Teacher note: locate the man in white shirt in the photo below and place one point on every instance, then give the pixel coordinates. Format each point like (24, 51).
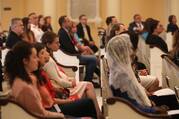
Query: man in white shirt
(33, 20)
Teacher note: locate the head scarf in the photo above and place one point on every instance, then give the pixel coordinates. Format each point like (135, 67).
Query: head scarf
(121, 74)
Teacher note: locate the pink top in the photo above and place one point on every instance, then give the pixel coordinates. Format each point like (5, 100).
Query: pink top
(28, 96)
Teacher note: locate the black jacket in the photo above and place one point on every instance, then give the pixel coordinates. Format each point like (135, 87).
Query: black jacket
(156, 41)
(81, 33)
(134, 38)
(12, 39)
(132, 25)
(66, 42)
(172, 27)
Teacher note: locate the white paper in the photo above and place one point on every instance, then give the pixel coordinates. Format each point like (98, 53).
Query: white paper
(164, 92)
(57, 108)
(173, 112)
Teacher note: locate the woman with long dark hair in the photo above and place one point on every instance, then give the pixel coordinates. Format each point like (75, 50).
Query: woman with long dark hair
(60, 78)
(20, 62)
(153, 28)
(28, 35)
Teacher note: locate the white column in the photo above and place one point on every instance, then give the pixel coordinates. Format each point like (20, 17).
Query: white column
(50, 10)
(113, 8)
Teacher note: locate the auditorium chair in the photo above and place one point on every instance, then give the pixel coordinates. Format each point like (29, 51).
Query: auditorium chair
(143, 52)
(12, 110)
(71, 71)
(67, 59)
(169, 39)
(163, 35)
(119, 108)
(170, 73)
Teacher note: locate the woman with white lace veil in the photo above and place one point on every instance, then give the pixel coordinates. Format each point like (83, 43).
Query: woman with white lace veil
(122, 79)
(121, 74)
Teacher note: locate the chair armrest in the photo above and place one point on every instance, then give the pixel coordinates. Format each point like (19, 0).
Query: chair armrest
(65, 59)
(77, 54)
(164, 55)
(74, 68)
(7, 101)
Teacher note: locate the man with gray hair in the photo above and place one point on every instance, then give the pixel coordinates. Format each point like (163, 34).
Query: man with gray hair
(16, 30)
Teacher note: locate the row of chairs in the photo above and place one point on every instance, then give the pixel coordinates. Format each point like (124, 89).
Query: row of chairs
(170, 73)
(151, 58)
(114, 107)
(147, 55)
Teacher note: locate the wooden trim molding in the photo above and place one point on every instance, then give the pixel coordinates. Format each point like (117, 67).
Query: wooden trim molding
(113, 100)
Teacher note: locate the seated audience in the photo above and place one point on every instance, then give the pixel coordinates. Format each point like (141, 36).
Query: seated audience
(122, 78)
(16, 30)
(110, 21)
(66, 44)
(174, 53)
(84, 32)
(104, 33)
(85, 50)
(150, 83)
(23, 57)
(153, 28)
(51, 96)
(172, 26)
(137, 25)
(58, 76)
(27, 35)
(41, 22)
(48, 26)
(33, 20)
(120, 28)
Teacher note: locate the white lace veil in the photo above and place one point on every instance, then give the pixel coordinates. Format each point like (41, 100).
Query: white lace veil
(121, 73)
